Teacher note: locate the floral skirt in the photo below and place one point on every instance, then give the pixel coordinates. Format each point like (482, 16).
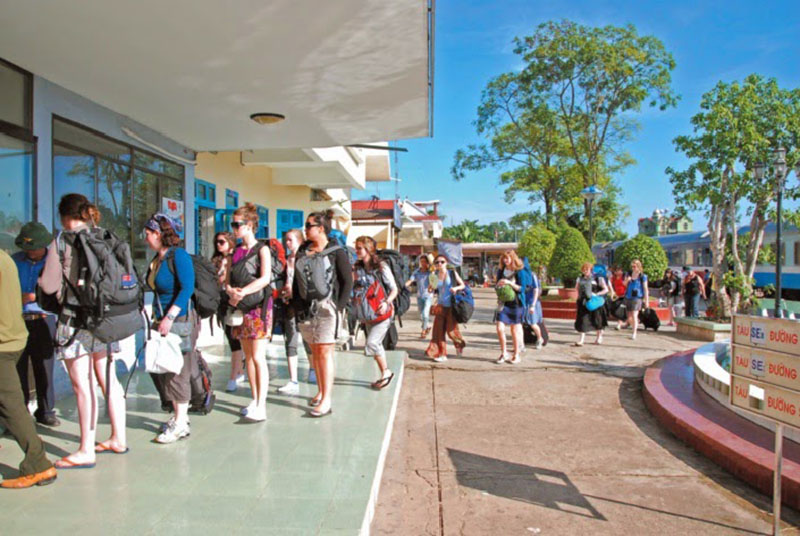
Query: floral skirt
(253, 327)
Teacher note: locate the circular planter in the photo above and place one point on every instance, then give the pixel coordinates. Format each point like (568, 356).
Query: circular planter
(568, 293)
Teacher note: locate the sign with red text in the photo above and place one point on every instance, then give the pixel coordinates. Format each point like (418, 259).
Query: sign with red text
(778, 404)
(776, 334)
(764, 365)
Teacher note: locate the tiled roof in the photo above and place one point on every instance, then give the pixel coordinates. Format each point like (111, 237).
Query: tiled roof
(373, 210)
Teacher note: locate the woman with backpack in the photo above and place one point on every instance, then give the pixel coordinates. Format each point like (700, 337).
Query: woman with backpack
(251, 274)
(322, 284)
(224, 245)
(589, 286)
(510, 305)
(86, 358)
(375, 284)
(533, 316)
(636, 293)
(693, 289)
(421, 277)
(445, 283)
(291, 338)
(171, 276)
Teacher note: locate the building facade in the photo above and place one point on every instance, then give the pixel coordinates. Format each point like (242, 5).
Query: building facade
(661, 223)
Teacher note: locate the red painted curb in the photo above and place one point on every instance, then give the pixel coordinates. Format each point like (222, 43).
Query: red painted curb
(736, 444)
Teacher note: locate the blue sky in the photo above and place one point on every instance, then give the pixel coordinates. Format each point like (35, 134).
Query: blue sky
(710, 41)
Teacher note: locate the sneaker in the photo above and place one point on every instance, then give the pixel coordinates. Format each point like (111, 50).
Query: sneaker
(618, 327)
(633, 336)
(248, 409)
(312, 376)
(440, 359)
(241, 378)
(257, 414)
(173, 433)
(539, 344)
(170, 422)
(232, 386)
(291, 388)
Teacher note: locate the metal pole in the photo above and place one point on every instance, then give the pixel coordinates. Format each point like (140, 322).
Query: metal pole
(591, 236)
(779, 259)
(776, 483)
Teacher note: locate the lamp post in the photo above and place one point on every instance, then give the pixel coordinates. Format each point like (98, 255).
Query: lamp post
(591, 194)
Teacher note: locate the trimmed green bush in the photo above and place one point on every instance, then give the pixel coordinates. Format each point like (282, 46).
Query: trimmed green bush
(538, 244)
(571, 251)
(647, 250)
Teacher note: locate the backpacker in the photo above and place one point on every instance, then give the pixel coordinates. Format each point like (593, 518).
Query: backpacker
(244, 272)
(649, 319)
(107, 298)
(395, 261)
(368, 295)
(463, 303)
(315, 275)
(203, 398)
(529, 336)
(207, 293)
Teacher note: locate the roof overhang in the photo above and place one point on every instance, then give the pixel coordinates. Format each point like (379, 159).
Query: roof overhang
(347, 72)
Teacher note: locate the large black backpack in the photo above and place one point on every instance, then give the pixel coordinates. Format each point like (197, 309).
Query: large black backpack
(207, 295)
(395, 261)
(244, 272)
(107, 299)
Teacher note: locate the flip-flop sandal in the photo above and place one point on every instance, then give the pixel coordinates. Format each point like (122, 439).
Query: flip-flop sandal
(65, 463)
(317, 414)
(99, 448)
(383, 382)
(314, 403)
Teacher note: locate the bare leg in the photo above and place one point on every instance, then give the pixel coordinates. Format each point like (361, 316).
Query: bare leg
(501, 336)
(516, 339)
(315, 364)
(116, 402)
(327, 369)
(633, 320)
(292, 360)
(381, 361)
(247, 347)
(262, 371)
(82, 378)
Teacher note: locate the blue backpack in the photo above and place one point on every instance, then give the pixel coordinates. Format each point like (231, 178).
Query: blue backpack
(463, 303)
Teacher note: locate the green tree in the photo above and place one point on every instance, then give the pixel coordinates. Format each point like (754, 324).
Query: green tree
(738, 125)
(595, 79)
(571, 251)
(538, 244)
(466, 231)
(647, 250)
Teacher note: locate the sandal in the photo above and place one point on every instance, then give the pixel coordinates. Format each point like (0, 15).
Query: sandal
(66, 463)
(383, 382)
(100, 448)
(500, 360)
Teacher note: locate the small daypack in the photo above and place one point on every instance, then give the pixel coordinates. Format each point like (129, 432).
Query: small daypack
(107, 298)
(315, 275)
(202, 398)
(463, 303)
(244, 272)
(207, 293)
(395, 261)
(368, 294)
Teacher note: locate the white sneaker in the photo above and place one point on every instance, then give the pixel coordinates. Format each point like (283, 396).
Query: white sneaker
(291, 388)
(257, 414)
(539, 344)
(170, 422)
(173, 433)
(633, 336)
(232, 386)
(247, 409)
(241, 378)
(440, 359)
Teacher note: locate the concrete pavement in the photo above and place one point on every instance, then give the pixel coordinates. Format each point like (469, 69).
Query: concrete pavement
(560, 444)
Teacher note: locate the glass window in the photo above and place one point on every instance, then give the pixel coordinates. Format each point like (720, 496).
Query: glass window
(231, 199)
(113, 197)
(263, 222)
(88, 141)
(15, 95)
(145, 203)
(16, 179)
(159, 165)
(73, 172)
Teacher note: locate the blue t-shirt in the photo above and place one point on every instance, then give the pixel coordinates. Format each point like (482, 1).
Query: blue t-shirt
(443, 288)
(422, 280)
(174, 289)
(636, 286)
(29, 272)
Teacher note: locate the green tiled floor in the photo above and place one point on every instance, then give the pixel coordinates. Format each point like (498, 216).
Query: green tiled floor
(290, 475)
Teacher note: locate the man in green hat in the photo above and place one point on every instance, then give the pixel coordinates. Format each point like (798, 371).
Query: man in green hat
(33, 240)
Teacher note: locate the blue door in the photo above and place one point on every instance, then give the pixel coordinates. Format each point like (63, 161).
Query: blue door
(288, 220)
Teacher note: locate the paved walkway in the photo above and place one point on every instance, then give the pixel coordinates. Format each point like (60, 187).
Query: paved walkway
(561, 444)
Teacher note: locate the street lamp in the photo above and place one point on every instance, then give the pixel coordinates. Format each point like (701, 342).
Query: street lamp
(591, 194)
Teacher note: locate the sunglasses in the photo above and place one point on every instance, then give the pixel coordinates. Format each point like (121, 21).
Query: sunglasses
(221, 242)
(440, 262)
(237, 224)
(311, 225)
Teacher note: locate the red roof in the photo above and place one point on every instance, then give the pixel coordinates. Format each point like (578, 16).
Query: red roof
(370, 204)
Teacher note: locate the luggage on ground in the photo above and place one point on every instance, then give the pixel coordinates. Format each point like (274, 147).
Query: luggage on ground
(529, 336)
(649, 319)
(203, 397)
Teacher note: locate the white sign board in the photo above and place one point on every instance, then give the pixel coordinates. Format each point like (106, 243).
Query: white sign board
(775, 334)
(782, 405)
(764, 365)
(174, 209)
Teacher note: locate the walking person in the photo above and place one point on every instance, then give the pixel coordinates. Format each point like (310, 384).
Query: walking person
(421, 277)
(588, 286)
(510, 312)
(693, 289)
(446, 283)
(251, 274)
(671, 290)
(370, 270)
(86, 358)
(171, 276)
(224, 245)
(35, 468)
(636, 293)
(617, 291)
(533, 316)
(39, 351)
(286, 313)
(322, 311)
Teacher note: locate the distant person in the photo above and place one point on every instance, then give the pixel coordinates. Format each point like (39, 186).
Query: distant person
(39, 352)
(636, 293)
(445, 283)
(588, 286)
(533, 316)
(693, 290)
(224, 245)
(35, 469)
(618, 290)
(510, 313)
(287, 316)
(671, 292)
(421, 277)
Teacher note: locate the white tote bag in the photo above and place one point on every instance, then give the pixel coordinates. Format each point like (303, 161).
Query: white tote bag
(163, 354)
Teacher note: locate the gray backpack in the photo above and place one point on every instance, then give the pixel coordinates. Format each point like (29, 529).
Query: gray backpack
(315, 275)
(107, 298)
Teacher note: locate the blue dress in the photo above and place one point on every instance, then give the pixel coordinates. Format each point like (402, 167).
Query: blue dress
(512, 312)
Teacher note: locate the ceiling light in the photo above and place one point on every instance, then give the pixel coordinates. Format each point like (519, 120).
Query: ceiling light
(267, 118)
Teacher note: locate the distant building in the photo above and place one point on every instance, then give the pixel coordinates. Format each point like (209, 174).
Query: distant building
(421, 227)
(661, 223)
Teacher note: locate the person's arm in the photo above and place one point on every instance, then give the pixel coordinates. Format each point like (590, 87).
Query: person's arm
(702, 288)
(460, 285)
(343, 271)
(265, 276)
(388, 279)
(50, 278)
(184, 279)
(603, 286)
(645, 290)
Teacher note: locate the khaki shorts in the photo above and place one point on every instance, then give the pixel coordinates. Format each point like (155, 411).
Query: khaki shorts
(323, 325)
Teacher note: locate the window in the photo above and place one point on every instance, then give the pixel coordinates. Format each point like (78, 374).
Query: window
(126, 183)
(288, 220)
(263, 222)
(231, 199)
(17, 153)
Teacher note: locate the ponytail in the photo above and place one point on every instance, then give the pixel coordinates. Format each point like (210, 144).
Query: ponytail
(78, 207)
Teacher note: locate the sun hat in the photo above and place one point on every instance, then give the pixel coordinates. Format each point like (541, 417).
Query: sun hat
(33, 235)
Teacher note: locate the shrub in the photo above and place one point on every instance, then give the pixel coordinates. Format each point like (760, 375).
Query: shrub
(537, 244)
(571, 251)
(647, 250)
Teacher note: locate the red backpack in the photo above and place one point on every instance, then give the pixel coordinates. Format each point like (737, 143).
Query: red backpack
(278, 256)
(367, 300)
